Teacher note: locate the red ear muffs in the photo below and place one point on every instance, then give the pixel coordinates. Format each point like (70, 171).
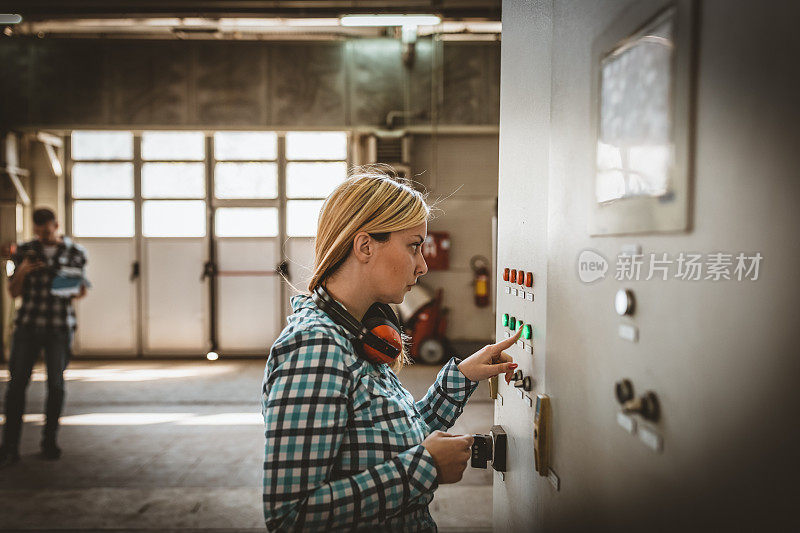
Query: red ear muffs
(386, 330)
(378, 337)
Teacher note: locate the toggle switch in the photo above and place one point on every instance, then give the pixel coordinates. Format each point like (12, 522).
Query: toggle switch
(506, 274)
(513, 276)
(646, 405)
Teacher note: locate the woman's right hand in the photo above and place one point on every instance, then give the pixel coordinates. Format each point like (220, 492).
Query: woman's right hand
(451, 454)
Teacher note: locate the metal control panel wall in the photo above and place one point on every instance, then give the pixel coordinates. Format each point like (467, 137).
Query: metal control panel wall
(662, 391)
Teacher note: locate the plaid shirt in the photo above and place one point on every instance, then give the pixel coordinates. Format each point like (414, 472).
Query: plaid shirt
(39, 307)
(343, 436)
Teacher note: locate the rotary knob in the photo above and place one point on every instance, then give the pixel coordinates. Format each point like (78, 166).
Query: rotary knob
(646, 405)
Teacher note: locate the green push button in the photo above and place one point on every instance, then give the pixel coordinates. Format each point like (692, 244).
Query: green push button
(512, 323)
(505, 320)
(526, 331)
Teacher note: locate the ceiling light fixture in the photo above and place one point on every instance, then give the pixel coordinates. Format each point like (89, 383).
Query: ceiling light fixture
(390, 20)
(6, 18)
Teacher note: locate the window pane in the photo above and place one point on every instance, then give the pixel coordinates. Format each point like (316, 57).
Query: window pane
(245, 145)
(102, 218)
(246, 180)
(163, 218)
(246, 222)
(313, 180)
(102, 180)
(102, 145)
(316, 145)
(301, 217)
(177, 145)
(173, 180)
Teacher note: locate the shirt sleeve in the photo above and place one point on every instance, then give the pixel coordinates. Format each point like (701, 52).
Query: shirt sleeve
(305, 407)
(444, 402)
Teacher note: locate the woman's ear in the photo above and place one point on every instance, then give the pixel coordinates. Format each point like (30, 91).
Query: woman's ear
(363, 247)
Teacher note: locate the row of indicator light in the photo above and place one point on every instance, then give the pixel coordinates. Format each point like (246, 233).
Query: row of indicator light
(512, 323)
(520, 277)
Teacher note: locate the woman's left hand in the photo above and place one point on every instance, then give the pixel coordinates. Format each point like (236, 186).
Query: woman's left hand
(490, 361)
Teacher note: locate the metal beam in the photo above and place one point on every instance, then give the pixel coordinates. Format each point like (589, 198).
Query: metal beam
(33, 10)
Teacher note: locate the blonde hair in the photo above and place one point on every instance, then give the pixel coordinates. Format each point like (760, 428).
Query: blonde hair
(373, 200)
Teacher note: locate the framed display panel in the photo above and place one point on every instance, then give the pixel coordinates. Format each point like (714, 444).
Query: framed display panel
(642, 76)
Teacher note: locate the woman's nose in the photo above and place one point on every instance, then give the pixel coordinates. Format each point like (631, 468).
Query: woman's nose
(423, 268)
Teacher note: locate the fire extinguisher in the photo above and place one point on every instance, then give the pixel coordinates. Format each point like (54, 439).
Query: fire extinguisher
(480, 282)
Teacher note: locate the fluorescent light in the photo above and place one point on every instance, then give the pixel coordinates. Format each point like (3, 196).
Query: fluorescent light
(312, 22)
(390, 20)
(10, 19)
(249, 23)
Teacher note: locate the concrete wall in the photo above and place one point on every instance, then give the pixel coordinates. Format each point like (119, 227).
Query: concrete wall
(96, 82)
(719, 355)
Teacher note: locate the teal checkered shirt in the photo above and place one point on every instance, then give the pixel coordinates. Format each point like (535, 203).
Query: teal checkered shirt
(343, 437)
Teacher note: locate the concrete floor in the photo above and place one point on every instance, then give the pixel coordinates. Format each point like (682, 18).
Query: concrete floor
(177, 445)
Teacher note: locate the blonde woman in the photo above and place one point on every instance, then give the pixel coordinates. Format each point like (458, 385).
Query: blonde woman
(347, 447)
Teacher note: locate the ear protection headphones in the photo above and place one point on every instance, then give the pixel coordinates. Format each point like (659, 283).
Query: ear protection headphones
(378, 337)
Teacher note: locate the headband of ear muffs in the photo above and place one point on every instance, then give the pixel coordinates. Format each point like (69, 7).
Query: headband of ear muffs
(377, 337)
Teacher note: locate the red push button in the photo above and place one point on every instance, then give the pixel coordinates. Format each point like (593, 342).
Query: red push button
(506, 273)
(529, 279)
(521, 277)
(513, 276)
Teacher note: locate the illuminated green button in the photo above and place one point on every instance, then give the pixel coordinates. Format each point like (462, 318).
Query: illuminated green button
(512, 323)
(505, 320)
(526, 331)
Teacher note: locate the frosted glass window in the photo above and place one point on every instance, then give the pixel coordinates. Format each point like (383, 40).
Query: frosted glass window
(102, 218)
(102, 180)
(246, 180)
(316, 145)
(102, 145)
(246, 222)
(173, 145)
(313, 180)
(245, 145)
(302, 217)
(174, 218)
(173, 180)
(634, 151)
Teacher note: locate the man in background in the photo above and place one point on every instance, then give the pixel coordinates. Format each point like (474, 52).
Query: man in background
(44, 322)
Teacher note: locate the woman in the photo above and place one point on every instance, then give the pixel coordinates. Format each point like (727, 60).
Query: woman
(346, 445)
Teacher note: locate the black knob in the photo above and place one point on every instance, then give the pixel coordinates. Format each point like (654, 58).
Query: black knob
(624, 390)
(646, 405)
(517, 375)
(524, 383)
